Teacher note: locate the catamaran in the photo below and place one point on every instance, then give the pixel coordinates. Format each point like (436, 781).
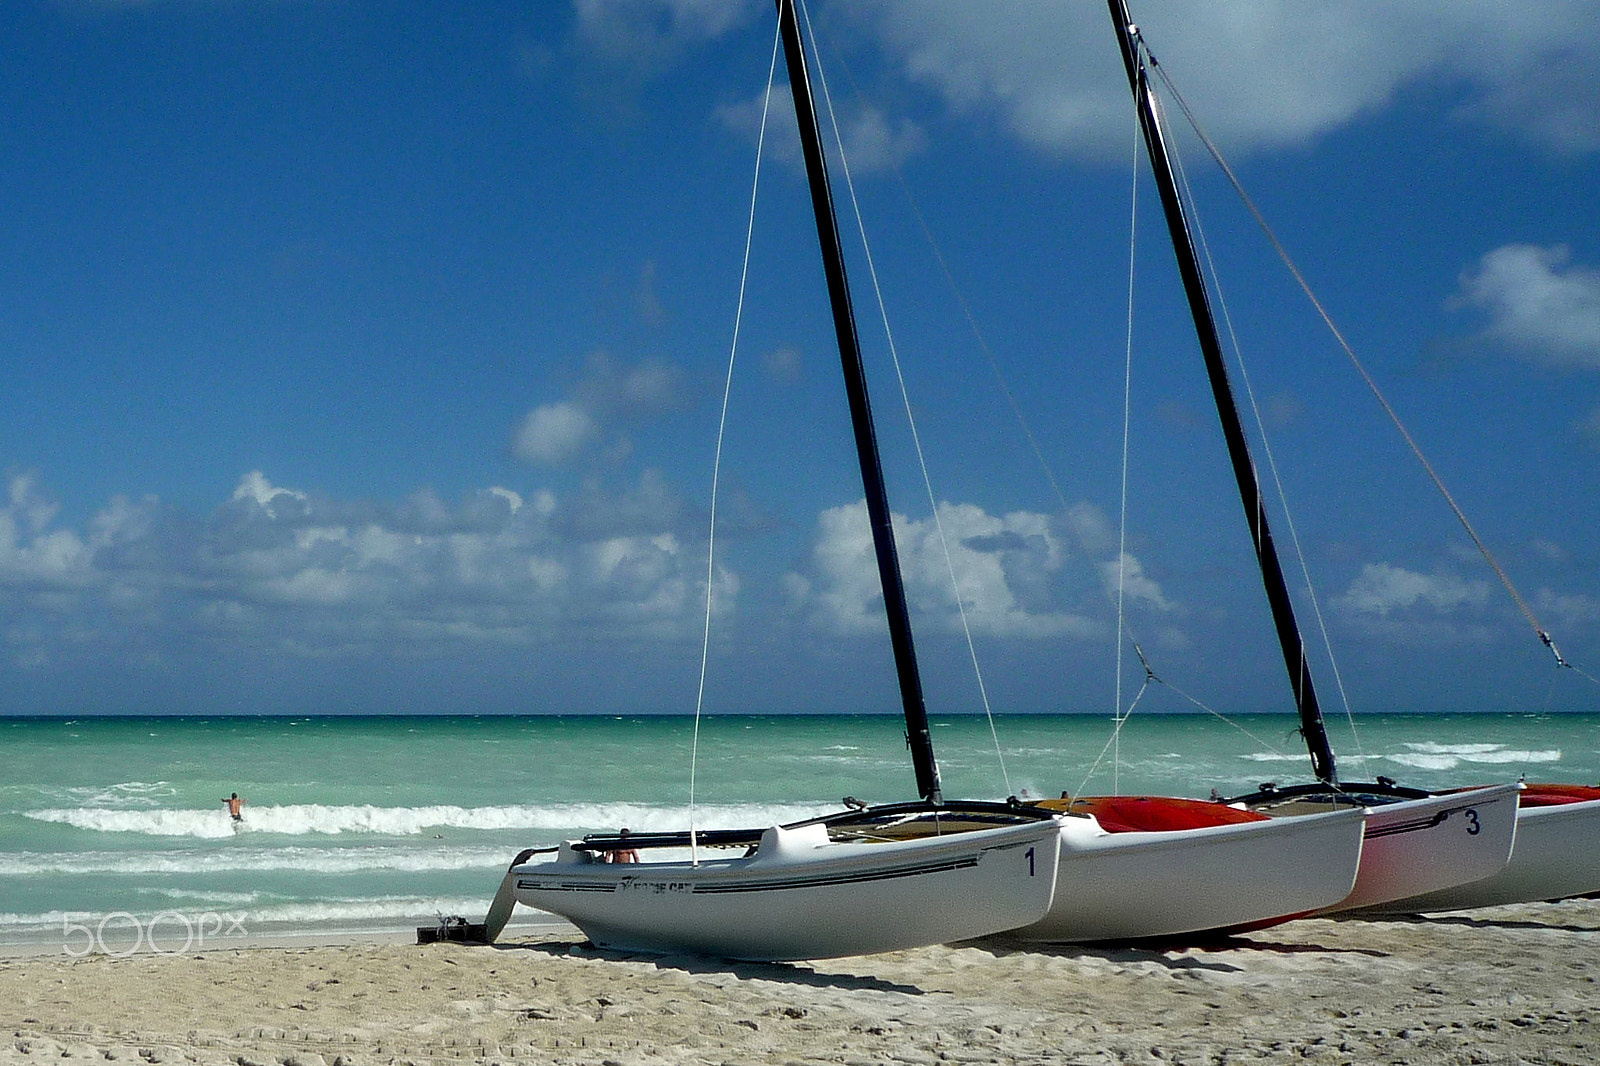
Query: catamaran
(1557, 856)
(1415, 843)
(901, 875)
(860, 881)
(1157, 868)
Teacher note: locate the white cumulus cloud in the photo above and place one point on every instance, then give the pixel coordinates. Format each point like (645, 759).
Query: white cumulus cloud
(1002, 567)
(553, 433)
(1382, 589)
(285, 570)
(1539, 303)
(255, 486)
(1128, 575)
(1261, 73)
(32, 554)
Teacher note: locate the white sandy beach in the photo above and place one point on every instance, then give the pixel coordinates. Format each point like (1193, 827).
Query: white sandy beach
(1508, 985)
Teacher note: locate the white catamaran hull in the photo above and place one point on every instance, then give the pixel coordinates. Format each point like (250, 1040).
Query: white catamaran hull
(1557, 854)
(1138, 885)
(800, 895)
(1426, 845)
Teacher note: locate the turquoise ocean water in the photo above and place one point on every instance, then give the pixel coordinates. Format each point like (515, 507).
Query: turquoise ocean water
(355, 824)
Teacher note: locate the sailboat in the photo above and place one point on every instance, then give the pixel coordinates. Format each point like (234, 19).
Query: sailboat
(1416, 843)
(1557, 856)
(856, 882)
(1154, 868)
(1122, 881)
(900, 875)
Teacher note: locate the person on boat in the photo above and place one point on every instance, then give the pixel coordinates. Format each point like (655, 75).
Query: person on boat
(626, 853)
(234, 803)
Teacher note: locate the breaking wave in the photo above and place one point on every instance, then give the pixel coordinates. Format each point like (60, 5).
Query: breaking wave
(299, 860)
(312, 819)
(1431, 756)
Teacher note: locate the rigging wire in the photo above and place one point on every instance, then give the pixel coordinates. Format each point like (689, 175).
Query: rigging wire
(1193, 209)
(1371, 383)
(1151, 678)
(716, 466)
(1113, 743)
(1112, 746)
(1121, 716)
(988, 354)
(966, 310)
(1032, 441)
(905, 399)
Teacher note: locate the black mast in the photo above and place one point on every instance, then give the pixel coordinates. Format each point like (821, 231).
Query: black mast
(918, 738)
(1294, 656)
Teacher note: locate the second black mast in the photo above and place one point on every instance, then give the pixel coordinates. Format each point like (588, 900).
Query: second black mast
(1244, 472)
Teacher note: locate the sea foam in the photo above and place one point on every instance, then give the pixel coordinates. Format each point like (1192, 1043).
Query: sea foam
(363, 859)
(1431, 756)
(309, 819)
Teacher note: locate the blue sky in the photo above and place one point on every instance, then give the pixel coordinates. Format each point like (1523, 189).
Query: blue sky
(369, 357)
